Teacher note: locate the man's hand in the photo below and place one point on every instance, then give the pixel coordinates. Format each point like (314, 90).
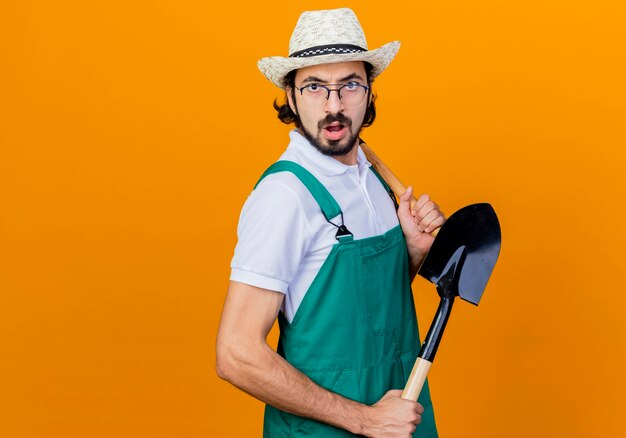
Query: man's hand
(393, 417)
(417, 224)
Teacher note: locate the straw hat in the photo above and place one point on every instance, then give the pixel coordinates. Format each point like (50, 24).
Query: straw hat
(324, 37)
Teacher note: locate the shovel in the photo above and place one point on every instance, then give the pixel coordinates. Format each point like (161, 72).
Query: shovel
(459, 263)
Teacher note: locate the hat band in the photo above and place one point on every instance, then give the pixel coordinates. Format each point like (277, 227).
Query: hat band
(325, 50)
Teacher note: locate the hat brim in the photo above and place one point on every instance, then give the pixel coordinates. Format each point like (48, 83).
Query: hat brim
(275, 68)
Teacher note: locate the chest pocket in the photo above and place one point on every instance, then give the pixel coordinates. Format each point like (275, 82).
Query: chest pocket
(385, 289)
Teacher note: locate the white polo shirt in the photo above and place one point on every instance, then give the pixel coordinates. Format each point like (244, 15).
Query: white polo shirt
(284, 238)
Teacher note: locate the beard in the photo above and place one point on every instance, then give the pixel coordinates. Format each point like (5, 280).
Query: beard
(334, 148)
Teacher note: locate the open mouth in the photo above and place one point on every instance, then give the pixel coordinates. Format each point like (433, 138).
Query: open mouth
(334, 128)
(335, 131)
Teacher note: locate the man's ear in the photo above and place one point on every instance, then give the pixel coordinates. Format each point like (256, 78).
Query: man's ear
(289, 93)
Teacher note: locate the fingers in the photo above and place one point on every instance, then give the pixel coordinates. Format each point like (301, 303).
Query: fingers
(393, 416)
(432, 221)
(427, 214)
(406, 196)
(421, 201)
(404, 208)
(410, 410)
(419, 408)
(405, 215)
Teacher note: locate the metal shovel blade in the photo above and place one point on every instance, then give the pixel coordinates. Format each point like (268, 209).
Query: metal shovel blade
(471, 238)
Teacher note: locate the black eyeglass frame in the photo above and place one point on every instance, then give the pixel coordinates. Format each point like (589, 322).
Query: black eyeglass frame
(338, 90)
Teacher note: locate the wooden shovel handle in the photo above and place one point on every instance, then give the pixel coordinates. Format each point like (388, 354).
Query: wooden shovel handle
(392, 180)
(389, 177)
(416, 379)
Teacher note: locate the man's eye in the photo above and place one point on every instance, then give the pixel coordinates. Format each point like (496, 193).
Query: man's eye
(314, 87)
(352, 85)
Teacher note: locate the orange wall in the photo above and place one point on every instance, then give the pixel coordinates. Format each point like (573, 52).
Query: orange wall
(132, 132)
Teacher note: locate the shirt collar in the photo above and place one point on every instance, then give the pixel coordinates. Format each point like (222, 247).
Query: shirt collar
(327, 165)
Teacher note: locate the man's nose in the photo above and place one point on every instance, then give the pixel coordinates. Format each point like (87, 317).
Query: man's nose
(334, 103)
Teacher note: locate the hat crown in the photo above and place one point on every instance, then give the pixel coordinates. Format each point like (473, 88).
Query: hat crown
(328, 27)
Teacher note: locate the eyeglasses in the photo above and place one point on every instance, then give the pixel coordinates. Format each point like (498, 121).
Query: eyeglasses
(351, 93)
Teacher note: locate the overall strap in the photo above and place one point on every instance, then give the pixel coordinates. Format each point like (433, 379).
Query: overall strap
(386, 186)
(330, 208)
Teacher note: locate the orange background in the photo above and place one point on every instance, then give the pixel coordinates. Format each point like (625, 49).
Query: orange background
(132, 132)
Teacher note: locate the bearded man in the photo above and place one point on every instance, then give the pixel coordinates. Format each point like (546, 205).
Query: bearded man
(324, 248)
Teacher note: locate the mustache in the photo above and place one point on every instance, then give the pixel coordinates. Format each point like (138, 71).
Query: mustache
(330, 118)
